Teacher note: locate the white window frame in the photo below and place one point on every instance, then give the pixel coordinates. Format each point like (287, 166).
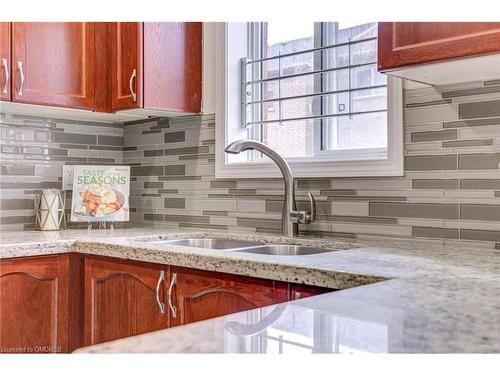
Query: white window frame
(231, 44)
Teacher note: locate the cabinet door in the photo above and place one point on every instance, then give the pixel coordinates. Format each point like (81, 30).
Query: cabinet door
(121, 299)
(126, 62)
(199, 295)
(53, 63)
(34, 304)
(408, 43)
(5, 60)
(172, 66)
(298, 291)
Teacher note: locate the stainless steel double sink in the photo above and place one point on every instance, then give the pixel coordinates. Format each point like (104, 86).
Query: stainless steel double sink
(241, 246)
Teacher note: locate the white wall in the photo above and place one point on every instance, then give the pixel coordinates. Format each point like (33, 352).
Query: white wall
(208, 101)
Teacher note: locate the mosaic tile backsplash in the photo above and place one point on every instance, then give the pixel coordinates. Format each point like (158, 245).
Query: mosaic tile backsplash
(450, 192)
(33, 150)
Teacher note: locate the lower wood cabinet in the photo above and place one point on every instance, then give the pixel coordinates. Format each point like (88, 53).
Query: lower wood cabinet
(59, 303)
(123, 298)
(197, 295)
(34, 305)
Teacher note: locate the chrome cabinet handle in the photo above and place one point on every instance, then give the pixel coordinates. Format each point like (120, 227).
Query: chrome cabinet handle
(5, 67)
(131, 86)
(21, 74)
(173, 309)
(297, 295)
(160, 304)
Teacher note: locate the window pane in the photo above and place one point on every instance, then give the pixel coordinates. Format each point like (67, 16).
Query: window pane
(356, 132)
(282, 37)
(289, 139)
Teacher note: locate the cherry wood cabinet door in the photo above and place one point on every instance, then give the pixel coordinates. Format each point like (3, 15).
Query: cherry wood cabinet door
(172, 66)
(298, 291)
(121, 299)
(34, 300)
(199, 295)
(126, 62)
(409, 43)
(53, 63)
(5, 61)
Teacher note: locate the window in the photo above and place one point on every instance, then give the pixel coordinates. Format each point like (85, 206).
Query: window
(311, 92)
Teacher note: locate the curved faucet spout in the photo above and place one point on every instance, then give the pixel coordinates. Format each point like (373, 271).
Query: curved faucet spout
(289, 226)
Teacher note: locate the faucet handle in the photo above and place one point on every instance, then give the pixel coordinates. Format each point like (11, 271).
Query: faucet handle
(306, 217)
(312, 202)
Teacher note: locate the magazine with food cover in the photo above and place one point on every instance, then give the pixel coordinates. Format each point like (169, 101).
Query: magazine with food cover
(100, 193)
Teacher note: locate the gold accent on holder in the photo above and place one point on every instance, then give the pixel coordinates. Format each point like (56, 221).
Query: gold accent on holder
(57, 216)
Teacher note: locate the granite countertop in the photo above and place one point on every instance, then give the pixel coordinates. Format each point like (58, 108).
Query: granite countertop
(413, 298)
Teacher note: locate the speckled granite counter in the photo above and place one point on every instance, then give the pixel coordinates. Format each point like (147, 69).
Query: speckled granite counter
(425, 300)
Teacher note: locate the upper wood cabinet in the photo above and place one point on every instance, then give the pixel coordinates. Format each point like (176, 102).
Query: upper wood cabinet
(403, 44)
(173, 66)
(34, 304)
(5, 63)
(126, 65)
(197, 295)
(123, 298)
(53, 63)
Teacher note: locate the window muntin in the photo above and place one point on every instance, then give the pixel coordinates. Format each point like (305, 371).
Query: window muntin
(319, 102)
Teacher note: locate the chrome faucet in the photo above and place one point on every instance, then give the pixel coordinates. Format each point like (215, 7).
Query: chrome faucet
(291, 218)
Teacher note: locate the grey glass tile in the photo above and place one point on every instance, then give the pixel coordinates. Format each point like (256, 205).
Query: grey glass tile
(435, 184)
(431, 232)
(109, 140)
(174, 137)
(478, 161)
(486, 184)
(242, 191)
(259, 223)
(147, 171)
(175, 170)
(153, 184)
(477, 122)
(492, 82)
(338, 192)
(430, 162)
(469, 143)
(223, 184)
(314, 184)
(483, 212)
(479, 109)
(18, 170)
(153, 217)
(168, 191)
(207, 226)
(434, 135)
(74, 138)
(187, 150)
(414, 210)
(174, 203)
(150, 153)
(428, 103)
(479, 235)
(187, 219)
(474, 91)
(361, 219)
(215, 213)
(16, 204)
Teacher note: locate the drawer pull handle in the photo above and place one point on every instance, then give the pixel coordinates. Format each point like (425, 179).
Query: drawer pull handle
(5, 67)
(131, 86)
(173, 309)
(160, 304)
(21, 76)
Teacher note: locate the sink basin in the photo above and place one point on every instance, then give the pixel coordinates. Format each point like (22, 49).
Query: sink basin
(285, 250)
(207, 243)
